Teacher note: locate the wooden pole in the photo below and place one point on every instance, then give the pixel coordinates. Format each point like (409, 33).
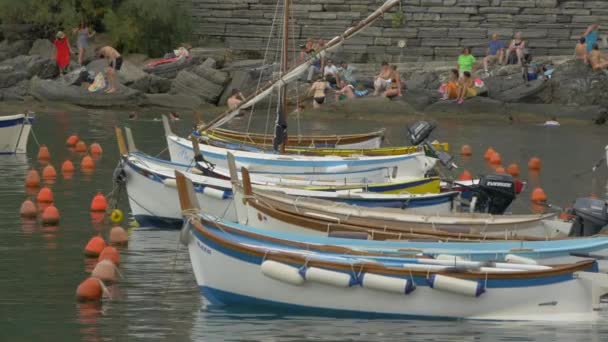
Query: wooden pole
(122, 147)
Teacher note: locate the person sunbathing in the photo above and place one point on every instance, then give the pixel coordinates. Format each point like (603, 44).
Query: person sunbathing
(597, 59)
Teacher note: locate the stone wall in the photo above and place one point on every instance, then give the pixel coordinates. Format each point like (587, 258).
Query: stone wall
(431, 29)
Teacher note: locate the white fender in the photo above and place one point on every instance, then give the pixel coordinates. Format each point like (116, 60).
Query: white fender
(387, 284)
(516, 259)
(282, 272)
(170, 182)
(456, 285)
(214, 193)
(328, 277)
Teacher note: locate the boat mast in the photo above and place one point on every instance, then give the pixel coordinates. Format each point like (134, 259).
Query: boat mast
(280, 135)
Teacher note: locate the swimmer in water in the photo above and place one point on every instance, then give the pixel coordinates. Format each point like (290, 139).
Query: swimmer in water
(552, 123)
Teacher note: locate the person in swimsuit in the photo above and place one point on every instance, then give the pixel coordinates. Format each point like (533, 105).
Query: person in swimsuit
(517, 46)
(235, 99)
(114, 64)
(467, 88)
(597, 59)
(83, 33)
(591, 36)
(318, 92)
(580, 51)
(394, 89)
(346, 91)
(383, 79)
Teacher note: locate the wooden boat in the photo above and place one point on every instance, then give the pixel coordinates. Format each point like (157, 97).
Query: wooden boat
(331, 280)
(370, 140)
(14, 133)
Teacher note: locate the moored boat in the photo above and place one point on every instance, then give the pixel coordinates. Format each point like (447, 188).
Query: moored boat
(14, 133)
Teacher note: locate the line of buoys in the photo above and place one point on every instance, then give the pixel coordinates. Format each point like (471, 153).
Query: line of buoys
(118, 236)
(67, 167)
(495, 159)
(489, 152)
(28, 209)
(99, 203)
(49, 172)
(110, 253)
(72, 140)
(89, 290)
(81, 147)
(95, 149)
(94, 247)
(32, 179)
(534, 163)
(50, 215)
(465, 176)
(538, 195)
(106, 271)
(513, 170)
(45, 195)
(466, 151)
(87, 164)
(43, 153)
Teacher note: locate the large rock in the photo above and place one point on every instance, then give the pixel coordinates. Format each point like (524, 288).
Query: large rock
(190, 83)
(128, 74)
(420, 98)
(424, 80)
(216, 76)
(9, 77)
(170, 70)
(475, 105)
(18, 92)
(48, 90)
(574, 83)
(152, 84)
(524, 92)
(178, 101)
(240, 80)
(31, 65)
(43, 47)
(217, 54)
(13, 49)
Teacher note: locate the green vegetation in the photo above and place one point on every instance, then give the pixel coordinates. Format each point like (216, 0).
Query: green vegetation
(143, 26)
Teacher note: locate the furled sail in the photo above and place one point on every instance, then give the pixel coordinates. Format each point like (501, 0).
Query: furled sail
(298, 70)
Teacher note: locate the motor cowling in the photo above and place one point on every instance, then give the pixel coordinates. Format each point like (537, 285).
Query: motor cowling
(591, 215)
(420, 131)
(495, 193)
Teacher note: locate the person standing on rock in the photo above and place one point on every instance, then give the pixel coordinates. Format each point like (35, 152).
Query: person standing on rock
(591, 36)
(495, 53)
(466, 61)
(580, 51)
(83, 35)
(62, 51)
(114, 64)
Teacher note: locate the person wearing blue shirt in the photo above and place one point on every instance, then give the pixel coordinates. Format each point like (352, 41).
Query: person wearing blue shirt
(591, 36)
(495, 52)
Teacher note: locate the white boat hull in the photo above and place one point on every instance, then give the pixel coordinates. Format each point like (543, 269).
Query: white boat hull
(14, 133)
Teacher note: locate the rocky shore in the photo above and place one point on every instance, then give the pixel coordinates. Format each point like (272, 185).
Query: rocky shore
(28, 73)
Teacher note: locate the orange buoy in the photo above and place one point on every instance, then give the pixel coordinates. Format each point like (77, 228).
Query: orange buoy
(49, 172)
(80, 147)
(43, 153)
(28, 209)
(500, 170)
(99, 203)
(465, 176)
(50, 215)
(45, 195)
(513, 170)
(495, 159)
(72, 140)
(118, 236)
(110, 253)
(67, 167)
(32, 179)
(89, 290)
(94, 247)
(534, 163)
(95, 149)
(538, 195)
(489, 152)
(87, 163)
(106, 271)
(466, 150)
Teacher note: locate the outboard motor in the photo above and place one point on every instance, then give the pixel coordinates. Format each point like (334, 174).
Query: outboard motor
(591, 215)
(419, 133)
(494, 194)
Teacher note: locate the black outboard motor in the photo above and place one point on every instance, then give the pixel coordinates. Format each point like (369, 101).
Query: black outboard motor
(591, 216)
(419, 133)
(495, 193)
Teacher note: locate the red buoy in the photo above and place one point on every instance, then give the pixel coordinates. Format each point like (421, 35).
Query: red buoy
(89, 290)
(495, 159)
(99, 203)
(50, 215)
(500, 170)
(513, 170)
(118, 236)
(81, 147)
(67, 167)
(28, 209)
(538, 195)
(49, 172)
(106, 271)
(32, 179)
(87, 164)
(95, 149)
(110, 253)
(465, 176)
(489, 152)
(72, 140)
(43, 153)
(45, 195)
(94, 247)
(534, 164)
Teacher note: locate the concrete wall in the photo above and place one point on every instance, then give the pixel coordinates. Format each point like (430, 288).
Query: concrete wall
(432, 29)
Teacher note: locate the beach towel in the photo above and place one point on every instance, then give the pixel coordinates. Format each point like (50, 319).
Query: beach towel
(98, 84)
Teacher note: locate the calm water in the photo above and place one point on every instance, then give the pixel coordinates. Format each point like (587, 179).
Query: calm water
(157, 299)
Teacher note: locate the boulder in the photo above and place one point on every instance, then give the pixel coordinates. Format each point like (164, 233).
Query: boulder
(43, 47)
(216, 76)
(240, 79)
(178, 101)
(374, 104)
(524, 92)
(152, 84)
(39, 66)
(475, 105)
(189, 83)
(574, 83)
(424, 80)
(18, 92)
(170, 70)
(210, 63)
(217, 54)
(128, 74)
(14, 48)
(9, 77)
(49, 90)
(420, 98)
